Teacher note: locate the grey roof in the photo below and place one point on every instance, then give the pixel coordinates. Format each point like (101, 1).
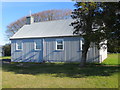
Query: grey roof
(54, 28)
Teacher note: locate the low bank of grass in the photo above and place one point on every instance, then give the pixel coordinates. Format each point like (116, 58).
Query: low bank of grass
(5, 57)
(112, 59)
(59, 75)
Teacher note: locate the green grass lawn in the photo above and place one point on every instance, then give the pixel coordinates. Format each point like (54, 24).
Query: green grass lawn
(112, 59)
(6, 57)
(60, 75)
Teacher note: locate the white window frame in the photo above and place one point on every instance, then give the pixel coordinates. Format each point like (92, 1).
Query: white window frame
(17, 45)
(35, 45)
(81, 45)
(62, 44)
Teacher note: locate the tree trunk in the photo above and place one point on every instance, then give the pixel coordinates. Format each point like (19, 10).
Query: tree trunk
(84, 53)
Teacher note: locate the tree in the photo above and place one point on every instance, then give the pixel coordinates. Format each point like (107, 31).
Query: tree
(47, 15)
(95, 22)
(7, 50)
(112, 12)
(113, 46)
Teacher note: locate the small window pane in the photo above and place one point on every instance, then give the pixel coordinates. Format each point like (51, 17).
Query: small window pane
(59, 44)
(19, 45)
(37, 45)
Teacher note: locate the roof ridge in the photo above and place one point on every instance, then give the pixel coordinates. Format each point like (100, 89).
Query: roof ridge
(52, 20)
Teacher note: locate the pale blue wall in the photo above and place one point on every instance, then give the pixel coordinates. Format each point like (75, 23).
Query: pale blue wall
(28, 54)
(71, 52)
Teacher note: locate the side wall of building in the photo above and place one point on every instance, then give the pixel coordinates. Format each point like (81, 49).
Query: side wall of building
(72, 50)
(93, 54)
(103, 52)
(28, 53)
(71, 53)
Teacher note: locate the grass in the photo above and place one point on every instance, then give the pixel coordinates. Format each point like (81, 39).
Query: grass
(112, 59)
(59, 75)
(6, 57)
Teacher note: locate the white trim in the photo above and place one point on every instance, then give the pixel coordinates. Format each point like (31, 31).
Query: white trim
(81, 45)
(35, 45)
(44, 49)
(17, 45)
(57, 44)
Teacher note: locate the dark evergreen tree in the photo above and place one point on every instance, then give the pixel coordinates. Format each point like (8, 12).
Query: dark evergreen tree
(7, 50)
(96, 22)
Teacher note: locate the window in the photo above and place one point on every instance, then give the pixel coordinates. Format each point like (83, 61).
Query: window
(19, 45)
(59, 44)
(37, 45)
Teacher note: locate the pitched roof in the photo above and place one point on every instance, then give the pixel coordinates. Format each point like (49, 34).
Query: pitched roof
(55, 28)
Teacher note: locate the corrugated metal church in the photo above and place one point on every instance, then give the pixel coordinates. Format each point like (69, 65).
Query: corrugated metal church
(51, 41)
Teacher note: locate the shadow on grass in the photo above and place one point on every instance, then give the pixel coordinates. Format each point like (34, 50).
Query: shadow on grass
(60, 69)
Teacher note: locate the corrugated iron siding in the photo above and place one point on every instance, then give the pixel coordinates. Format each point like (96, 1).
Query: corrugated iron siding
(27, 54)
(48, 52)
(93, 54)
(70, 53)
(16, 55)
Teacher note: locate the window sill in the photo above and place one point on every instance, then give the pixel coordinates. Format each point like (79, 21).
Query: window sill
(37, 49)
(19, 50)
(59, 49)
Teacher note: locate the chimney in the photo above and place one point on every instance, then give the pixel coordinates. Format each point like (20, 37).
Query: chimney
(29, 20)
